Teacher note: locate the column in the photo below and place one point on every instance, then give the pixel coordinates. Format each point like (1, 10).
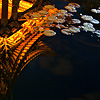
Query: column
(4, 17)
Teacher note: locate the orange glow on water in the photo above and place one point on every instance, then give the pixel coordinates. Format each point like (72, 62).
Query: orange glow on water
(52, 11)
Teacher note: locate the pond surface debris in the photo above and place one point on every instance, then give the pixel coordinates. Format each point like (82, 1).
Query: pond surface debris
(50, 18)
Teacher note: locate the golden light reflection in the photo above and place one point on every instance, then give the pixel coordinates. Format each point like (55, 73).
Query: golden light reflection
(19, 48)
(23, 5)
(52, 11)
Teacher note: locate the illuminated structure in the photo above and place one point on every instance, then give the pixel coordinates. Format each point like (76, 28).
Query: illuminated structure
(17, 46)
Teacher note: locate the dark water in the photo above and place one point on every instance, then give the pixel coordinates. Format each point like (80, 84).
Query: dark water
(73, 73)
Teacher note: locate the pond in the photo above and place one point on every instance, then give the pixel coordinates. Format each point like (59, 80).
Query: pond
(73, 74)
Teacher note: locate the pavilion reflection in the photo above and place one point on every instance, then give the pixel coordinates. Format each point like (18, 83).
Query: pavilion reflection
(9, 71)
(17, 50)
(22, 7)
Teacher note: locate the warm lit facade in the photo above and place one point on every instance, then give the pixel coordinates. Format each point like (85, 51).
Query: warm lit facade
(18, 49)
(24, 5)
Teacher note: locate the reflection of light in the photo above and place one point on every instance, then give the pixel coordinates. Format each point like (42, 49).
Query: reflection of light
(19, 34)
(52, 11)
(23, 5)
